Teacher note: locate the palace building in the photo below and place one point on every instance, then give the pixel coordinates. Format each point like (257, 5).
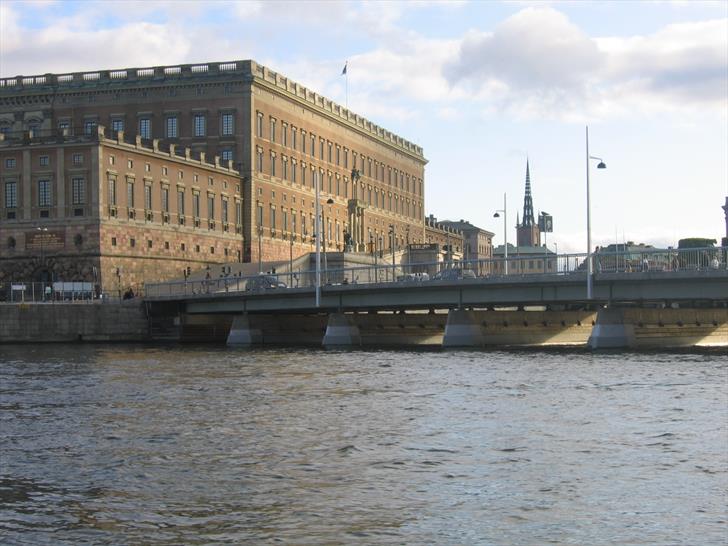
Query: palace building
(280, 137)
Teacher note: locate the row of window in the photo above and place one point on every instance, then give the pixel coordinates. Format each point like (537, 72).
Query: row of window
(43, 161)
(335, 154)
(183, 246)
(45, 196)
(334, 184)
(165, 201)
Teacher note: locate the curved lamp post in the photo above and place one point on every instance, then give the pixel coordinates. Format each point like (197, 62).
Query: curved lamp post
(504, 210)
(600, 165)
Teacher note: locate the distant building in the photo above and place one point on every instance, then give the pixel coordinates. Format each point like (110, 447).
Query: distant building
(724, 242)
(449, 240)
(477, 244)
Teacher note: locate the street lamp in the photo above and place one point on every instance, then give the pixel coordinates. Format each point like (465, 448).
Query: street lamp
(318, 235)
(324, 240)
(600, 165)
(391, 238)
(504, 210)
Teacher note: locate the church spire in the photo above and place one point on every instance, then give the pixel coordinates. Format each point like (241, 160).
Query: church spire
(528, 219)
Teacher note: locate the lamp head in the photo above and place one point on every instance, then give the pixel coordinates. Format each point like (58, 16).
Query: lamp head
(330, 201)
(601, 165)
(496, 215)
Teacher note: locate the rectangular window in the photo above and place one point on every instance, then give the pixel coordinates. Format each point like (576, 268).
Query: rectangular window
(272, 218)
(130, 194)
(259, 217)
(196, 204)
(259, 126)
(284, 134)
(293, 221)
(285, 220)
(147, 197)
(117, 125)
(227, 155)
(294, 176)
(165, 199)
(145, 128)
(11, 195)
(210, 206)
(321, 148)
(10, 163)
(44, 161)
(272, 130)
(112, 191)
(64, 125)
(181, 202)
(303, 174)
(303, 141)
(238, 212)
(259, 160)
(199, 128)
(272, 165)
(313, 145)
(227, 124)
(293, 137)
(88, 126)
(172, 127)
(346, 158)
(304, 229)
(78, 191)
(224, 211)
(330, 152)
(44, 193)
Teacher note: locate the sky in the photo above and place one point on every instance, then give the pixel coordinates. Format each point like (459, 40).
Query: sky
(482, 86)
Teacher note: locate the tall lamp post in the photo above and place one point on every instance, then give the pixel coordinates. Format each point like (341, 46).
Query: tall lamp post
(600, 165)
(318, 238)
(504, 210)
(391, 238)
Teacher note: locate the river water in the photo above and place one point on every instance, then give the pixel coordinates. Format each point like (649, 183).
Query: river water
(127, 444)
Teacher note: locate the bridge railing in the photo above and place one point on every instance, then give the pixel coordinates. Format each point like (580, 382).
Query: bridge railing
(518, 265)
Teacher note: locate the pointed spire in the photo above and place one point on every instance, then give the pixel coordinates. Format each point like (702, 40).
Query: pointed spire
(528, 219)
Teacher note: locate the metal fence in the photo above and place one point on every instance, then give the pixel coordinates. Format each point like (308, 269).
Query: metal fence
(653, 261)
(56, 292)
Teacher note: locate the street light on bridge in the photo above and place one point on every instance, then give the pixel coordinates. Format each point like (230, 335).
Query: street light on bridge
(504, 210)
(600, 165)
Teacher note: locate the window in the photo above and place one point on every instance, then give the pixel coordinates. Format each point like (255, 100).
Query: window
(64, 125)
(272, 218)
(303, 141)
(181, 202)
(148, 167)
(330, 151)
(147, 197)
(293, 137)
(293, 171)
(284, 134)
(112, 190)
(10, 163)
(44, 160)
(149, 243)
(304, 229)
(259, 159)
(130, 194)
(272, 130)
(196, 204)
(321, 148)
(224, 211)
(293, 221)
(199, 125)
(210, 206)
(172, 127)
(78, 191)
(227, 124)
(238, 212)
(338, 155)
(284, 167)
(272, 164)
(303, 174)
(145, 128)
(227, 155)
(132, 242)
(313, 145)
(112, 160)
(88, 126)
(117, 125)
(11, 195)
(44, 193)
(346, 158)
(129, 163)
(259, 216)
(165, 199)
(113, 241)
(259, 125)
(4, 129)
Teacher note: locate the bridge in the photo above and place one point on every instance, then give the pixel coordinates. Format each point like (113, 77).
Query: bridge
(403, 304)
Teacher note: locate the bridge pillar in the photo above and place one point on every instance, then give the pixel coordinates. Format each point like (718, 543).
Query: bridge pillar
(342, 331)
(612, 330)
(463, 330)
(241, 334)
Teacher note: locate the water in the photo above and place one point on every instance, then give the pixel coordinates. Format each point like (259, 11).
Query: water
(177, 445)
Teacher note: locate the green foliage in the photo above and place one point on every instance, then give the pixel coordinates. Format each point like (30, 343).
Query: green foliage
(696, 242)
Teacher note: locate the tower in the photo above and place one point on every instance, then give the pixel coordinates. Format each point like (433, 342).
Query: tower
(527, 232)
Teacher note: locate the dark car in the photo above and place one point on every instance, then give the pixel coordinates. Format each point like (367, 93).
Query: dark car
(264, 282)
(454, 274)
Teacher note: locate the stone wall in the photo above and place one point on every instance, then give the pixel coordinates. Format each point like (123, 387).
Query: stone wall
(63, 322)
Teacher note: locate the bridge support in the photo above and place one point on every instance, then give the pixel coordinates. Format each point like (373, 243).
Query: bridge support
(341, 331)
(463, 329)
(242, 334)
(613, 330)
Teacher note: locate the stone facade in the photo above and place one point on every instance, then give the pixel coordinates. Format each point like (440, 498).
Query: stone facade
(477, 244)
(449, 239)
(280, 135)
(112, 212)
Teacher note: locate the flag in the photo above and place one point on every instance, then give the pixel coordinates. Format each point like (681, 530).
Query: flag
(343, 72)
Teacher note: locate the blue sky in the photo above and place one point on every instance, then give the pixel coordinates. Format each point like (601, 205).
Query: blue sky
(480, 85)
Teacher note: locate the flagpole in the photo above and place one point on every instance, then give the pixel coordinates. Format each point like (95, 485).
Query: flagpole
(347, 85)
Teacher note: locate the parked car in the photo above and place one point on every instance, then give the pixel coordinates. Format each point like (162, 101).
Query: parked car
(264, 282)
(454, 274)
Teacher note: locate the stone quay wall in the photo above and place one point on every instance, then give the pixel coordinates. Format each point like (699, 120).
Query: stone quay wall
(64, 322)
